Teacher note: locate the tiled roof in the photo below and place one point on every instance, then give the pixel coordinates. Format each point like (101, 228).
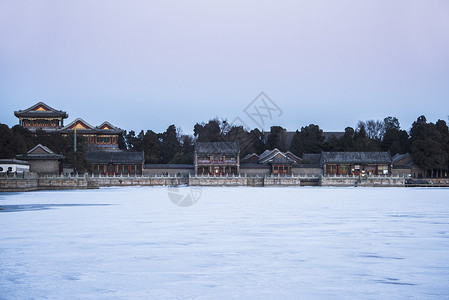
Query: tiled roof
(276, 156)
(115, 157)
(292, 156)
(14, 161)
(356, 157)
(40, 152)
(403, 161)
(91, 129)
(311, 158)
(168, 166)
(49, 112)
(109, 125)
(249, 156)
(266, 153)
(398, 157)
(217, 147)
(254, 166)
(42, 147)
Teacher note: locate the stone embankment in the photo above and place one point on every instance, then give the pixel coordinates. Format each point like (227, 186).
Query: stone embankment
(244, 181)
(370, 181)
(139, 180)
(31, 182)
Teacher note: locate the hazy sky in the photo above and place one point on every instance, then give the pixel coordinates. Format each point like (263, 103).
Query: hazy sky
(149, 64)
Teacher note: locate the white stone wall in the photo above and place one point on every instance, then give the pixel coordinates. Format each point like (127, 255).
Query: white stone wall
(14, 168)
(307, 171)
(44, 166)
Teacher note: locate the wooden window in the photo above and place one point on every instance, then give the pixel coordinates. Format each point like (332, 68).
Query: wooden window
(331, 169)
(344, 169)
(383, 170)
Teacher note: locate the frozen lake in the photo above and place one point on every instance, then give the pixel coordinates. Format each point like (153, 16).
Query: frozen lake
(234, 243)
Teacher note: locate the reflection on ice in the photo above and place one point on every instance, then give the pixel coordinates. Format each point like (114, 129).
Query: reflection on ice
(31, 207)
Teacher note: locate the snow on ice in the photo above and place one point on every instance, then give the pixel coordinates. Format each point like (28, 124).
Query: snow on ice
(234, 243)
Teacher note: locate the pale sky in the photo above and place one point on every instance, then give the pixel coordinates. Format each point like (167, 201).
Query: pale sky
(149, 64)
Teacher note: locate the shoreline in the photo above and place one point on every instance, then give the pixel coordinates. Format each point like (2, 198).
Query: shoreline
(89, 182)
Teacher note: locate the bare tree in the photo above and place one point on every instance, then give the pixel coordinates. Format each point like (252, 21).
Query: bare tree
(375, 129)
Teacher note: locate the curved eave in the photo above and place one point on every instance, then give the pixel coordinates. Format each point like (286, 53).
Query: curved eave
(359, 162)
(90, 131)
(21, 114)
(43, 157)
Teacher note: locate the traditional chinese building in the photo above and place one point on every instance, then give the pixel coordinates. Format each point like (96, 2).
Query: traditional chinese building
(278, 162)
(356, 163)
(14, 166)
(103, 137)
(43, 161)
(116, 162)
(217, 158)
(41, 116)
(101, 143)
(404, 165)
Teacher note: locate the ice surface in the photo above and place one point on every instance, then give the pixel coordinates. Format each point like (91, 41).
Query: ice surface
(234, 243)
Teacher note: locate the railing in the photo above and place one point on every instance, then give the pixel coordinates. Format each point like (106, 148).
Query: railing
(217, 162)
(90, 176)
(12, 175)
(309, 176)
(363, 176)
(217, 176)
(244, 175)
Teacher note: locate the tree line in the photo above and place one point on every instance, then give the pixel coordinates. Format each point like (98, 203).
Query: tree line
(19, 140)
(427, 142)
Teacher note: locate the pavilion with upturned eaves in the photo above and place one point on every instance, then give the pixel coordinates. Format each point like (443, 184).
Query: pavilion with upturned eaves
(41, 116)
(104, 137)
(101, 141)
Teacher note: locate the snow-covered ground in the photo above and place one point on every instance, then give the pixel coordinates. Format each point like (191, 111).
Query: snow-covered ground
(234, 243)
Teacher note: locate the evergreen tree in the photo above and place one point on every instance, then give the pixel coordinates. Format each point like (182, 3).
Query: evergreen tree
(277, 138)
(394, 139)
(151, 147)
(185, 154)
(8, 149)
(347, 140)
(309, 140)
(429, 144)
(239, 135)
(121, 142)
(257, 141)
(78, 161)
(170, 145)
(297, 147)
(209, 132)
